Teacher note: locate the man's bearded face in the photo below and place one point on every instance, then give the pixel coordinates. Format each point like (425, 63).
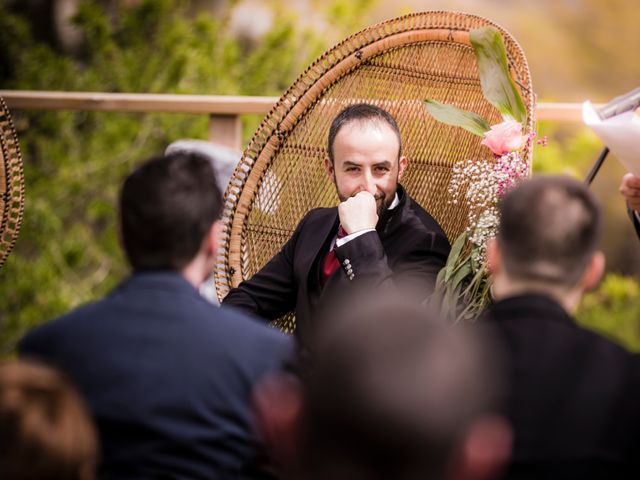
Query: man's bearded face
(366, 159)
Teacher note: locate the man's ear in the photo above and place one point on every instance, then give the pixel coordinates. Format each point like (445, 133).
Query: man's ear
(494, 257)
(329, 168)
(213, 237)
(277, 412)
(485, 450)
(594, 271)
(402, 164)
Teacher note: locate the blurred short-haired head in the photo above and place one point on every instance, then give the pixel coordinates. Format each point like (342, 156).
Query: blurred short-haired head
(45, 429)
(167, 206)
(549, 230)
(395, 393)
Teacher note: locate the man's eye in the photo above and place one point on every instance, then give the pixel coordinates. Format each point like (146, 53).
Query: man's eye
(382, 169)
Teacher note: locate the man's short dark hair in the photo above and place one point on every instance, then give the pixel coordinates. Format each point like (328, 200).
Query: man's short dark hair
(361, 112)
(549, 229)
(167, 206)
(392, 392)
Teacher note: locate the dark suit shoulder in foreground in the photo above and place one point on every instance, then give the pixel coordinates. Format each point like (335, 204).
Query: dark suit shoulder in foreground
(573, 394)
(167, 376)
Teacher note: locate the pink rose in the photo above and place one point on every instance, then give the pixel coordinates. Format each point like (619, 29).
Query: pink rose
(504, 137)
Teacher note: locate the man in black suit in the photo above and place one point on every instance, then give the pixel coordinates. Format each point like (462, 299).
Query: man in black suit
(574, 394)
(630, 190)
(378, 236)
(167, 376)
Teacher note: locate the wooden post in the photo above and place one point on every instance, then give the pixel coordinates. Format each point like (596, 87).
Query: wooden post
(226, 130)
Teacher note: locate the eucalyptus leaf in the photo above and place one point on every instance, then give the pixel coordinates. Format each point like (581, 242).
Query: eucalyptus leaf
(448, 270)
(497, 85)
(457, 247)
(463, 272)
(454, 255)
(452, 299)
(440, 276)
(472, 122)
(475, 282)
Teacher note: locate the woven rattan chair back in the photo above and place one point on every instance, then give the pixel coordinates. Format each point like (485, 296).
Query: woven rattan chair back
(11, 184)
(395, 65)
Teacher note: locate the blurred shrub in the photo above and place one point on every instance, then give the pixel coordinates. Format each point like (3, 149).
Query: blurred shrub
(570, 149)
(614, 310)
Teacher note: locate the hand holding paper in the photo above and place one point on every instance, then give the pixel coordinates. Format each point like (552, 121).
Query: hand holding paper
(630, 190)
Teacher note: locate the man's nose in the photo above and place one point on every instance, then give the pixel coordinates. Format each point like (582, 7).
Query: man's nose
(369, 184)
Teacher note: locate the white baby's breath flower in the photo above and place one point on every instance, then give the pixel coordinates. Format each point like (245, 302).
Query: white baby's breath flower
(480, 184)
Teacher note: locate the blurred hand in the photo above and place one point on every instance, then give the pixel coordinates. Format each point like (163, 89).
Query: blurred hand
(358, 213)
(630, 190)
(277, 417)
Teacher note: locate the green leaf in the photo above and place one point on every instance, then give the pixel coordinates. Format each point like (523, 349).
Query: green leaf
(457, 247)
(497, 85)
(461, 274)
(440, 278)
(454, 254)
(457, 117)
(475, 283)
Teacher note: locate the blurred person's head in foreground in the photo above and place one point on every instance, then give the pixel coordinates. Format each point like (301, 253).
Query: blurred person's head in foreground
(547, 241)
(394, 393)
(170, 216)
(45, 429)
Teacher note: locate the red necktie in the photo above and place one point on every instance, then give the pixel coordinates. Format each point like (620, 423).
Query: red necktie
(331, 263)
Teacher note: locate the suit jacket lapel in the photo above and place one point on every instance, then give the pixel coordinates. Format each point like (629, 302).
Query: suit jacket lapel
(318, 235)
(392, 219)
(336, 277)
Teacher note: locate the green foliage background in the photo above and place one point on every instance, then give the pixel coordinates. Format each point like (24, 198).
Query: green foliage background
(68, 252)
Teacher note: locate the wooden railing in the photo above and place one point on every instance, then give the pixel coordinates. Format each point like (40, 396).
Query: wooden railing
(224, 111)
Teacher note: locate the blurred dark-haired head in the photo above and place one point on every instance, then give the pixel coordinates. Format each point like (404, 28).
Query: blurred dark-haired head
(394, 392)
(46, 432)
(167, 206)
(549, 228)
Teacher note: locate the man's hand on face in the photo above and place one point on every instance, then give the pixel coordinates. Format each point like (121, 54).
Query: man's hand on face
(358, 213)
(630, 190)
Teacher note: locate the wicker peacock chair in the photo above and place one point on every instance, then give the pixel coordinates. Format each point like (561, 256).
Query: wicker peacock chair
(11, 184)
(395, 65)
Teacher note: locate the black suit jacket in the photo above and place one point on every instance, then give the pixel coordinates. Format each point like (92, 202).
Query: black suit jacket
(573, 395)
(407, 250)
(167, 376)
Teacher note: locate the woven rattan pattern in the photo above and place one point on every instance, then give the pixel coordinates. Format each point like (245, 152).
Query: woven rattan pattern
(395, 65)
(11, 184)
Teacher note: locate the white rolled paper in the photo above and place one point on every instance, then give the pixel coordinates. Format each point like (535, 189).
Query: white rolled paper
(620, 133)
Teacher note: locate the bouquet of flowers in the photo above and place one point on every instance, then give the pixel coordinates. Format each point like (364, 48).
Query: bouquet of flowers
(462, 286)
